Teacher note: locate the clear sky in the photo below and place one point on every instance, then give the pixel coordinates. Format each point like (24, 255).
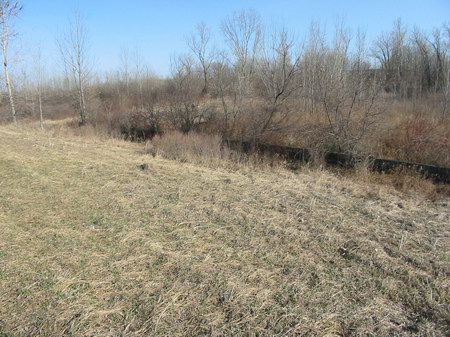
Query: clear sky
(157, 27)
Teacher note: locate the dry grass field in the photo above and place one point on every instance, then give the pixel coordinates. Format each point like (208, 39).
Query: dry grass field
(93, 243)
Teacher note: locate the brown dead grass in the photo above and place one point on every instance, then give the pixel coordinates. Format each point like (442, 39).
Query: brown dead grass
(93, 243)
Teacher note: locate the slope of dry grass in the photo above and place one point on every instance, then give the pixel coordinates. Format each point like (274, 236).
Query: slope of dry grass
(91, 244)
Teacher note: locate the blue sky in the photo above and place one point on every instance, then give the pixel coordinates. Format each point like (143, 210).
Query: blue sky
(157, 28)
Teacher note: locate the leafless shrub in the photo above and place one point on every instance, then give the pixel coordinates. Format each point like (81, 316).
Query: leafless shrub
(418, 139)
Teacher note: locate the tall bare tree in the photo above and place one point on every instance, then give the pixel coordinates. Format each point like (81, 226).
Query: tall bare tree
(277, 68)
(183, 95)
(446, 33)
(39, 71)
(8, 10)
(125, 69)
(223, 87)
(346, 92)
(199, 43)
(139, 74)
(73, 45)
(440, 57)
(389, 50)
(242, 33)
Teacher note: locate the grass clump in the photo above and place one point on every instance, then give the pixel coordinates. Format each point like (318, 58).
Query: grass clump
(192, 147)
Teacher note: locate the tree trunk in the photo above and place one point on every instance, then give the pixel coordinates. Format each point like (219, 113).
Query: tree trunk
(41, 119)
(5, 65)
(82, 100)
(10, 93)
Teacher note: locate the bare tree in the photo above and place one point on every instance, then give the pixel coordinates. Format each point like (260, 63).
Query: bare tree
(139, 75)
(199, 43)
(277, 68)
(389, 51)
(243, 35)
(183, 95)
(440, 58)
(125, 71)
(39, 70)
(8, 10)
(73, 46)
(446, 33)
(347, 92)
(309, 67)
(223, 87)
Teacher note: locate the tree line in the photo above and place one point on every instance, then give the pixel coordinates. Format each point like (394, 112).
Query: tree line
(333, 89)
